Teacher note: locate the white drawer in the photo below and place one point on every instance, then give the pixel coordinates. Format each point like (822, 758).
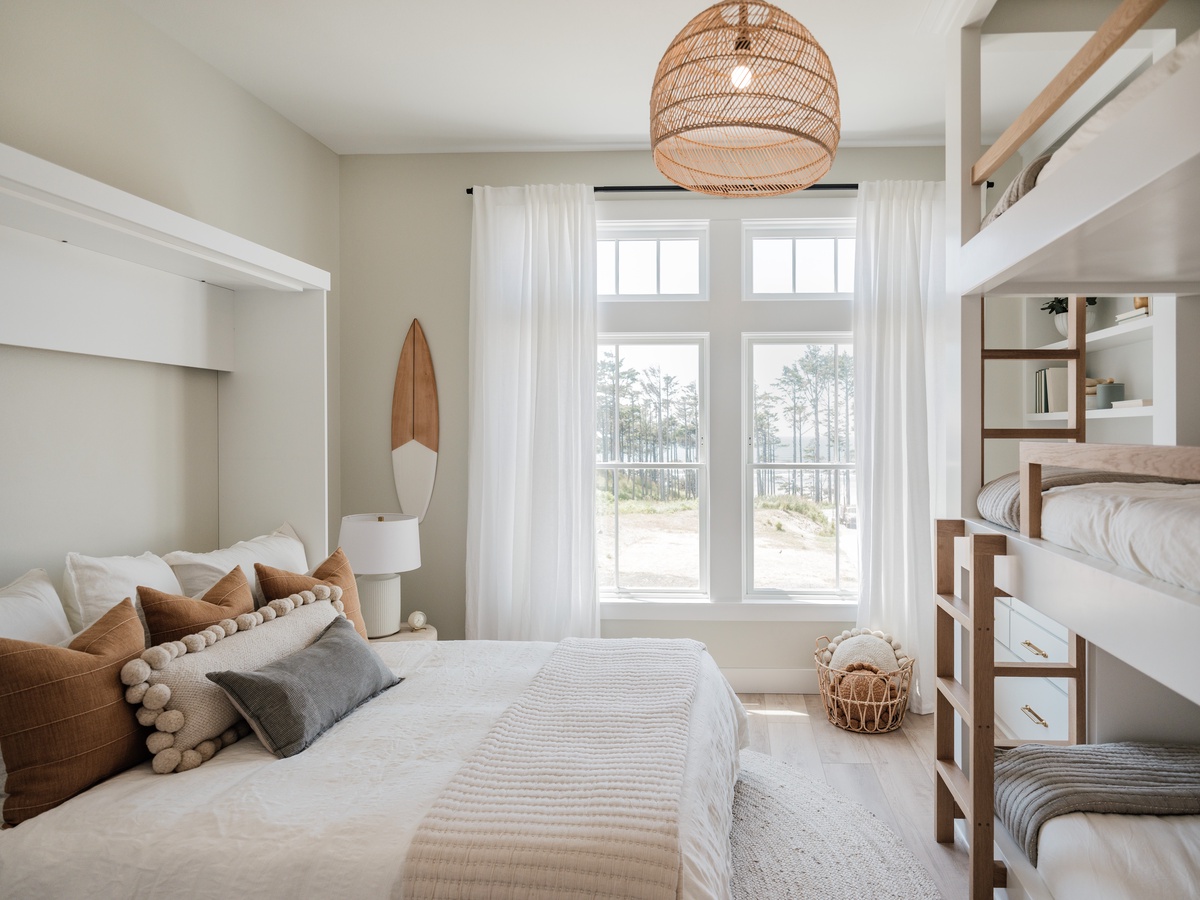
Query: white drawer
(1033, 643)
(1038, 618)
(1024, 704)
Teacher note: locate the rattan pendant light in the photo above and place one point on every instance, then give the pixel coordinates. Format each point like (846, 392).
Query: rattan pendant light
(744, 103)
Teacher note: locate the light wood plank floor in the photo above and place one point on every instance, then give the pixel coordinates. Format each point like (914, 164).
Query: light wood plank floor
(890, 774)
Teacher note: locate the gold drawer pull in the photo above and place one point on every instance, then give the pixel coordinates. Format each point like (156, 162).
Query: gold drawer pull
(1034, 648)
(1038, 720)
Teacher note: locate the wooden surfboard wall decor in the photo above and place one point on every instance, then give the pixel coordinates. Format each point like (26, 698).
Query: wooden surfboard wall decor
(415, 424)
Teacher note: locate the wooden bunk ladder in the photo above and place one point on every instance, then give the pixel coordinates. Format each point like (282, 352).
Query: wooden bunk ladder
(968, 791)
(1075, 355)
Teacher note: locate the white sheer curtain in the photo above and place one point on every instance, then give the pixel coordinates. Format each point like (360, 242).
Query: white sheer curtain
(900, 266)
(531, 571)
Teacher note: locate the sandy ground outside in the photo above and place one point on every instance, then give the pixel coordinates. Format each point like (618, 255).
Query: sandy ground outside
(660, 551)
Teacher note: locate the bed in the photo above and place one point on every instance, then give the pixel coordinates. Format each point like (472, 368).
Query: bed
(337, 819)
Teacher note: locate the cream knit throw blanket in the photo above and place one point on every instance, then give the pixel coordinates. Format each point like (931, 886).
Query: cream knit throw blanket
(575, 791)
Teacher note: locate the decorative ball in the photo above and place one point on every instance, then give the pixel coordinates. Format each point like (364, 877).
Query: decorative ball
(245, 622)
(266, 614)
(865, 648)
(335, 592)
(308, 597)
(181, 648)
(147, 717)
(321, 591)
(282, 606)
(229, 626)
(135, 692)
(417, 620)
(160, 741)
(135, 672)
(166, 761)
(210, 637)
(156, 696)
(229, 736)
(169, 720)
(339, 606)
(208, 749)
(157, 657)
(194, 643)
(189, 759)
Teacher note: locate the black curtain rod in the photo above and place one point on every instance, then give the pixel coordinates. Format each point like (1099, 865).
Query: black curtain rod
(654, 188)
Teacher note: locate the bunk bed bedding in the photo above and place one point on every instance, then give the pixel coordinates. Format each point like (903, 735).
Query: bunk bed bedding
(1139, 522)
(1044, 167)
(238, 825)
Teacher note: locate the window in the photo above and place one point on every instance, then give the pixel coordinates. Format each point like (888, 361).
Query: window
(652, 261)
(801, 511)
(651, 486)
(798, 259)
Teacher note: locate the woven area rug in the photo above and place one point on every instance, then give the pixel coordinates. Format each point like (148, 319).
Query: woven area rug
(796, 838)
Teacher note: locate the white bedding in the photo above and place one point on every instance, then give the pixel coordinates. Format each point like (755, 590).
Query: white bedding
(1153, 528)
(1091, 856)
(335, 821)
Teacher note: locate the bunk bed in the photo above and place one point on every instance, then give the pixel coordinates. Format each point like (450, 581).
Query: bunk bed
(1121, 216)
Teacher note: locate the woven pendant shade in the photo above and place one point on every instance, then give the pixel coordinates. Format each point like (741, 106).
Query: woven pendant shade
(744, 103)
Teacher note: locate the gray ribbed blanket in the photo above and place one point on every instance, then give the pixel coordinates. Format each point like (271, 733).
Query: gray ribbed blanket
(1035, 783)
(999, 500)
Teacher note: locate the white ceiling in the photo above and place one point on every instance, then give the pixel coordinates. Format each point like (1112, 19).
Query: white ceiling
(395, 76)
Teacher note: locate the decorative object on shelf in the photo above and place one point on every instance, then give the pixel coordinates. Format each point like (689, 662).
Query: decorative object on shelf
(1058, 308)
(414, 424)
(378, 548)
(1141, 303)
(864, 679)
(1107, 393)
(1123, 404)
(744, 103)
(417, 620)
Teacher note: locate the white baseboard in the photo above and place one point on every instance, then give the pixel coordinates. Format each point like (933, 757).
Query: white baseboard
(772, 681)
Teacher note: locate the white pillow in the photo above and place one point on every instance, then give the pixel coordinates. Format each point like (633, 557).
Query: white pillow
(31, 611)
(197, 572)
(95, 584)
(1143, 85)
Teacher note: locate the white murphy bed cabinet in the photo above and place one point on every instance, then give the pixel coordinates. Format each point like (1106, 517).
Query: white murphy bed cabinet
(86, 268)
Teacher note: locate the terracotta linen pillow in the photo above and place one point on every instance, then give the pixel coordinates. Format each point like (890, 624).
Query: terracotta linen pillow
(64, 721)
(277, 583)
(171, 618)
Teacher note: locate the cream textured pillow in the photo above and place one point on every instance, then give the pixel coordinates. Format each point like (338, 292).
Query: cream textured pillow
(197, 572)
(31, 611)
(93, 585)
(861, 645)
(191, 716)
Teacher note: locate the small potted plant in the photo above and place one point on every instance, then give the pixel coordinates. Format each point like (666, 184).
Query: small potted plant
(1058, 308)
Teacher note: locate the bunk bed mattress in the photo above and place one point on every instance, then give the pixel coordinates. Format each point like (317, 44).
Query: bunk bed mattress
(1153, 528)
(1093, 856)
(239, 826)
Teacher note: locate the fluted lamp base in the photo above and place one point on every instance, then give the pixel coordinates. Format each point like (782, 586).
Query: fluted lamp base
(379, 597)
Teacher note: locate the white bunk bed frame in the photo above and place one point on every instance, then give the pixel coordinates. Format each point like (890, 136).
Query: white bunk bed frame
(87, 268)
(1123, 216)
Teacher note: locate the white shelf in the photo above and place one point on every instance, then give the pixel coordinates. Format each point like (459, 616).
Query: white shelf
(1119, 335)
(1120, 412)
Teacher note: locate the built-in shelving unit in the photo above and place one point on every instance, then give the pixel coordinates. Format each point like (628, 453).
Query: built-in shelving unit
(87, 268)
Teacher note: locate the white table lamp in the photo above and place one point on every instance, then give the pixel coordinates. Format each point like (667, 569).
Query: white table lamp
(378, 548)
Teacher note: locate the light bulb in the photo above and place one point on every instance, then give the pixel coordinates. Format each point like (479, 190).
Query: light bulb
(741, 76)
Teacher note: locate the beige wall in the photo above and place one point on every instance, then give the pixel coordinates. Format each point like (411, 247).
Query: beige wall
(406, 240)
(90, 86)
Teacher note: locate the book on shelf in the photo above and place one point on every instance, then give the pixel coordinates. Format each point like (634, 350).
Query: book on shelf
(1056, 389)
(1118, 404)
(1132, 314)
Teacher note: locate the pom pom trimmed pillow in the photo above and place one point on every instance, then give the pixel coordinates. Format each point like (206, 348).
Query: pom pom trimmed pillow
(192, 717)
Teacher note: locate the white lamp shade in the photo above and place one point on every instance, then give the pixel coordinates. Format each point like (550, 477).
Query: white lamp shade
(381, 544)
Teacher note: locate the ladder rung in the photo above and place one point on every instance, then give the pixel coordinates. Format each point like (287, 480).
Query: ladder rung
(955, 607)
(956, 782)
(959, 697)
(999, 874)
(1037, 670)
(1025, 434)
(1030, 354)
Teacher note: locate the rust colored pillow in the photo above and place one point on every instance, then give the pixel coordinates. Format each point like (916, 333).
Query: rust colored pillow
(64, 722)
(276, 583)
(171, 618)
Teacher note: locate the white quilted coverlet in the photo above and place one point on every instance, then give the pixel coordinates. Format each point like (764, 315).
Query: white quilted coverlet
(575, 791)
(337, 819)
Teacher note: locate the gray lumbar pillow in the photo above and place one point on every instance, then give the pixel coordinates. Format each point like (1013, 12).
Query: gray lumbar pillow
(291, 702)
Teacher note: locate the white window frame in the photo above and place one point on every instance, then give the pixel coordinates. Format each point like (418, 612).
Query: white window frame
(700, 340)
(782, 229)
(749, 467)
(658, 231)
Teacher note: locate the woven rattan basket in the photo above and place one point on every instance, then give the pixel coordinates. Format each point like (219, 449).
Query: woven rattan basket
(865, 702)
